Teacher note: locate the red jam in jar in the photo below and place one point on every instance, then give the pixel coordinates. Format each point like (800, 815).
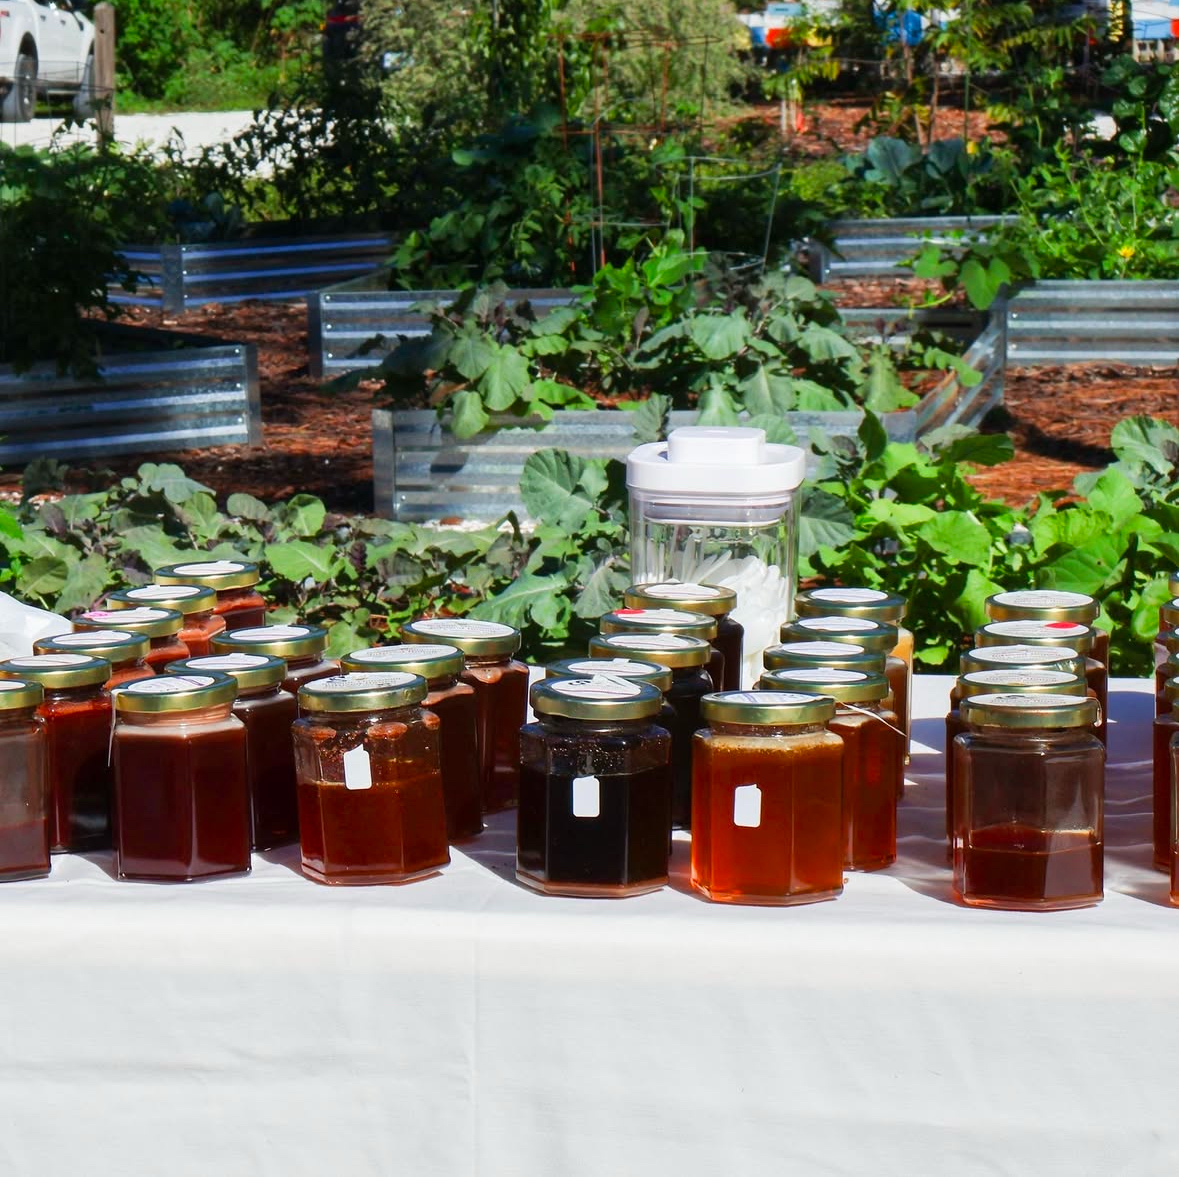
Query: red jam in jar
(301, 647)
(195, 603)
(234, 581)
(24, 789)
(125, 651)
(161, 626)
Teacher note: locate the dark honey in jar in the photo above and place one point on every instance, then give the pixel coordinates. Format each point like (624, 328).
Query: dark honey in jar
(453, 701)
(235, 583)
(160, 626)
(673, 621)
(595, 789)
(709, 599)
(125, 651)
(1163, 820)
(1052, 605)
(301, 647)
(24, 787)
(371, 808)
(182, 798)
(195, 603)
(1028, 803)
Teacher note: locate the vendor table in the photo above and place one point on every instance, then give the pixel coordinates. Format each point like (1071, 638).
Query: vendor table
(464, 1025)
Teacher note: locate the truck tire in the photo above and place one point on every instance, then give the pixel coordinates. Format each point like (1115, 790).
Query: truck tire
(21, 99)
(84, 100)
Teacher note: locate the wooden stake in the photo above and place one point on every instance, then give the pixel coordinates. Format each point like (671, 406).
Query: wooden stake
(104, 71)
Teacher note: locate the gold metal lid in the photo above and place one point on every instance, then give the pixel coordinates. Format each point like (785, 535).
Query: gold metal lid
(251, 672)
(1072, 634)
(432, 662)
(18, 693)
(175, 692)
(478, 639)
(766, 708)
(844, 686)
(144, 619)
(279, 641)
(1042, 605)
(686, 596)
(115, 645)
(673, 650)
(344, 693)
(842, 655)
(1027, 680)
(662, 620)
(184, 598)
(631, 668)
(215, 574)
(55, 671)
(851, 602)
(1023, 711)
(874, 636)
(602, 697)
(1015, 657)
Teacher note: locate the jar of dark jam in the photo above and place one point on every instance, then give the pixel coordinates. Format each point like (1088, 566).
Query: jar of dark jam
(1052, 605)
(501, 696)
(873, 757)
(182, 801)
(677, 621)
(767, 824)
(687, 659)
(195, 603)
(595, 789)
(76, 711)
(125, 651)
(712, 601)
(1163, 819)
(1028, 797)
(453, 701)
(371, 808)
(301, 647)
(24, 787)
(266, 712)
(160, 626)
(1070, 634)
(234, 582)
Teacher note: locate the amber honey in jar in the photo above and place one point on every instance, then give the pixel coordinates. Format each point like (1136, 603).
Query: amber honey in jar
(687, 659)
(125, 651)
(767, 825)
(371, 808)
(1028, 803)
(24, 786)
(301, 647)
(1163, 819)
(595, 789)
(501, 696)
(674, 621)
(1167, 669)
(160, 626)
(1052, 605)
(234, 581)
(266, 712)
(453, 701)
(1168, 622)
(195, 603)
(182, 799)
(76, 711)
(873, 757)
(712, 601)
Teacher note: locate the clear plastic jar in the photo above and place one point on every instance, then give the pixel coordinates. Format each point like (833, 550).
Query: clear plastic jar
(1028, 803)
(182, 808)
(266, 712)
(160, 626)
(234, 582)
(453, 701)
(1052, 605)
(301, 647)
(24, 787)
(195, 603)
(125, 651)
(595, 790)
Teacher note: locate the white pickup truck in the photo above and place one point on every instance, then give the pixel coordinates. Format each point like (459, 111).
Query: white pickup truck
(46, 47)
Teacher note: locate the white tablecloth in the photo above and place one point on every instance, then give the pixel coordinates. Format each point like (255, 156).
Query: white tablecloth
(464, 1025)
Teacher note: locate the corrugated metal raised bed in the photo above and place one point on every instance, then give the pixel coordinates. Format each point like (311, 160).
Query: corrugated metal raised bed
(421, 471)
(267, 268)
(159, 391)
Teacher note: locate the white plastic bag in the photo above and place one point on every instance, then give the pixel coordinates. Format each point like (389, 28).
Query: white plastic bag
(21, 625)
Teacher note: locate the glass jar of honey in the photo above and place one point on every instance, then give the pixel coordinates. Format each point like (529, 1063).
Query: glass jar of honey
(182, 801)
(1168, 668)
(710, 600)
(24, 789)
(595, 790)
(687, 659)
(76, 712)
(266, 712)
(453, 701)
(501, 696)
(125, 651)
(301, 647)
(1168, 623)
(195, 603)
(371, 808)
(767, 825)
(873, 757)
(160, 626)
(234, 582)
(676, 621)
(1052, 605)
(1164, 727)
(1028, 796)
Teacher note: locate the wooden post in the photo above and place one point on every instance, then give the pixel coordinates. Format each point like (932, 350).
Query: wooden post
(104, 71)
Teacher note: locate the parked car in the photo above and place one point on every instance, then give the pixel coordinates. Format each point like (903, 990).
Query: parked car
(46, 47)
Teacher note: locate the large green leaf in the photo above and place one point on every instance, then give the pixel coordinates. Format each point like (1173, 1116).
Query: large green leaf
(824, 521)
(84, 585)
(602, 590)
(44, 577)
(717, 407)
(824, 344)
(1114, 494)
(245, 506)
(297, 560)
(1071, 527)
(890, 158)
(504, 379)
(468, 415)
(515, 604)
(200, 515)
(1085, 569)
(1146, 441)
(970, 607)
(720, 337)
(982, 283)
(883, 391)
(471, 354)
(777, 431)
(151, 544)
(304, 515)
(171, 481)
(552, 489)
(960, 536)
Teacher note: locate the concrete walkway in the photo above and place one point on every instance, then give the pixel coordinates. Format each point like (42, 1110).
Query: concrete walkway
(199, 129)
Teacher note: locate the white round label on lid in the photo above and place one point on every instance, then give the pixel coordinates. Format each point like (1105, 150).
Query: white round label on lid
(623, 667)
(1022, 655)
(761, 698)
(680, 592)
(650, 641)
(8, 684)
(1020, 678)
(164, 592)
(820, 649)
(96, 637)
(116, 617)
(401, 653)
(43, 660)
(1017, 700)
(229, 661)
(360, 682)
(818, 674)
(849, 596)
(270, 633)
(1037, 629)
(461, 627)
(169, 684)
(208, 568)
(601, 686)
(1042, 599)
(659, 616)
(826, 624)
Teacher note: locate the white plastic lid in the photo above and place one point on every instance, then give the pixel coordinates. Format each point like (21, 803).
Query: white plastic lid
(690, 463)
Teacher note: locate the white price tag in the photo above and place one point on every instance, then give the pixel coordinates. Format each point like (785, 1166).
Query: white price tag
(587, 796)
(358, 771)
(747, 806)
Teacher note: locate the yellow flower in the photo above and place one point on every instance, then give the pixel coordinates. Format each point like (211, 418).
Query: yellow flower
(971, 147)
(1126, 251)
